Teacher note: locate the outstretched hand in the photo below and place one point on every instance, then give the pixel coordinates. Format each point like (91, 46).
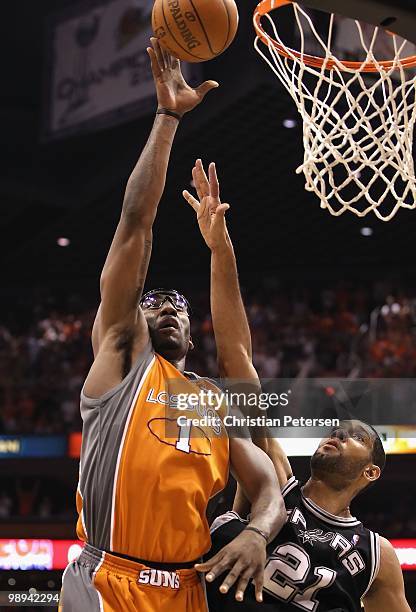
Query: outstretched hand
(173, 92)
(209, 209)
(245, 558)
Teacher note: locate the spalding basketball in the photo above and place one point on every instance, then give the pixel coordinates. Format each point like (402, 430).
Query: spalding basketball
(195, 30)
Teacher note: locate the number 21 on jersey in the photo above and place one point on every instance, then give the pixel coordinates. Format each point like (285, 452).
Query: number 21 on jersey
(285, 573)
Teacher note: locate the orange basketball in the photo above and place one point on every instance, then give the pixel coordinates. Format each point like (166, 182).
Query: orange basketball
(195, 30)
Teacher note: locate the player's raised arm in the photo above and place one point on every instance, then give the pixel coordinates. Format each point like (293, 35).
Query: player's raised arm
(125, 269)
(387, 591)
(231, 328)
(232, 333)
(244, 557)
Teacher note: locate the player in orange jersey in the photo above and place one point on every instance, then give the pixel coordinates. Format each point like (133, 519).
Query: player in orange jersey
(145, 481)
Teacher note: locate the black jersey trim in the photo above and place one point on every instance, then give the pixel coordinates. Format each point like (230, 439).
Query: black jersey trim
(291, 484)
(332, 519)
(375, 555)
(191, 375)
(226, 518)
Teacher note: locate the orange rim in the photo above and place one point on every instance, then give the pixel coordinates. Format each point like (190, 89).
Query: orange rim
(266, 6)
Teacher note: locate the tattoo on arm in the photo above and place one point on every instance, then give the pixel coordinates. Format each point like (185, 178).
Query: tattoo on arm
(143, 269)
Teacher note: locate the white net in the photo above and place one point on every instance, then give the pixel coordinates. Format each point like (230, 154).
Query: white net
(357, 127)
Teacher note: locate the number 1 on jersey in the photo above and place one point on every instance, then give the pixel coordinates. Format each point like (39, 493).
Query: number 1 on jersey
(182, 443)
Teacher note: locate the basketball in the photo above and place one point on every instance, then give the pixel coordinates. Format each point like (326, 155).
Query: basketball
(195, 30)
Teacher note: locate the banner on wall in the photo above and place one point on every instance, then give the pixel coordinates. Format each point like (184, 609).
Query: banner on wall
(397, 440)
(26, 554)
(32, 446)
(97, 67)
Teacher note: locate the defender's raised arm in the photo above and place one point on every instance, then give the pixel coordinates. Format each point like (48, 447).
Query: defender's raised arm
(231, 328)
(253, 470)
(232, 333)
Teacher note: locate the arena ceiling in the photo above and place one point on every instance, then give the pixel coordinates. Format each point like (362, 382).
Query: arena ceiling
(74, 187)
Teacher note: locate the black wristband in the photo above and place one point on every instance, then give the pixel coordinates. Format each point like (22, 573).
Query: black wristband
(259, 531)
(166, 111)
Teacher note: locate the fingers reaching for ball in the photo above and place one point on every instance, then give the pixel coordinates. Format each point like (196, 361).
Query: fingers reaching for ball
(173, 92)
(195, 31)
(159, 57)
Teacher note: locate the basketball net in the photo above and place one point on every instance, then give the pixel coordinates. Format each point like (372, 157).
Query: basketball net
(357, 127)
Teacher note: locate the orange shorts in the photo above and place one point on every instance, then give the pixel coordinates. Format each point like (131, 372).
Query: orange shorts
(100, 582)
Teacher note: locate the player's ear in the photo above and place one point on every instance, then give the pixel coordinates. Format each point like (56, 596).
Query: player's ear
(372, 473)
(191, 344)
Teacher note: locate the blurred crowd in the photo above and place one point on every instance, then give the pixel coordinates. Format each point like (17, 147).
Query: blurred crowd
(349, 330)
(42, 372)
(40, 498)
(345, 331)
(391, 520)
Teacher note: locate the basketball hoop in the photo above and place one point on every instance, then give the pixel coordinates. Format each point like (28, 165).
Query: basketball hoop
(358, 116)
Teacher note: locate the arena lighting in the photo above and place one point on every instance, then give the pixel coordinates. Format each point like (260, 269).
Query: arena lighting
(406, 552)
(397, 440)
(289, 123)
(56, 554)
(63, 242)
(366, 231)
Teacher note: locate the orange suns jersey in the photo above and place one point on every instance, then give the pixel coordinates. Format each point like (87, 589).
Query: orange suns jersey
(145, 477)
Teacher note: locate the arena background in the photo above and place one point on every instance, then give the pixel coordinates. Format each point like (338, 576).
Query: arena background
(327, 297)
